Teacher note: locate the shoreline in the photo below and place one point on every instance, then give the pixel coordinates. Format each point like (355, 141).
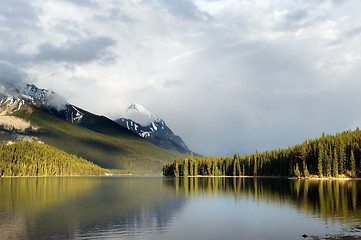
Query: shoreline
(277, 177)
(198, 176)
(105, 175)
(55, 176)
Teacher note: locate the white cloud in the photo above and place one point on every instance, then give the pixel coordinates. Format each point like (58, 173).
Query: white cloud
(226, 75)
(183, 55)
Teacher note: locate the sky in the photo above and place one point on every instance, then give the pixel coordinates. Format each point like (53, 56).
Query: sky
(226, 75)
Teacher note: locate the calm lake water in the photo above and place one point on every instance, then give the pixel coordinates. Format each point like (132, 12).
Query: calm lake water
(171, 208)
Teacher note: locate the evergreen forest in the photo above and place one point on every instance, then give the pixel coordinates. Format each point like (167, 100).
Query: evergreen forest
(37, 159)
(328, 156)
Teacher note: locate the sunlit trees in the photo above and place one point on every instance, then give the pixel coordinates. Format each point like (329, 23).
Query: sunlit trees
(296, 171)
(35, 159)
(320, 159)
(335, 163)
(328, 156)
(342, 162)
(353, 164)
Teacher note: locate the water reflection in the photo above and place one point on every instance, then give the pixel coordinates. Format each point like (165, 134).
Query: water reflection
(328, 199)
(172, 208)
(68, 208)
(23, 199)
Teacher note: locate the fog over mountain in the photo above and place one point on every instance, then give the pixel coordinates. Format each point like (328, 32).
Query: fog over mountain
(227, 75)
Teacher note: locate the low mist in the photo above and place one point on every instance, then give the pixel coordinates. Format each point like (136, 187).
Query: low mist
(13, 82)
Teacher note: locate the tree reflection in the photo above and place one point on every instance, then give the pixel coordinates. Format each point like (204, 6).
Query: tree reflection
(71, 207)
(328, 199)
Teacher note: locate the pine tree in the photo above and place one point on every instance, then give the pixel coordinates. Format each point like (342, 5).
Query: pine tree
(353, 164)
(342, 162)
(176, 169)
(304, 159)
(185, 168)
(191, 165)
(296, 171)
(306, 172)
(321, 156)
(328, 163)
(255, 162)
(234, 173)
(238, 165)
(335, 163)
(195, 168)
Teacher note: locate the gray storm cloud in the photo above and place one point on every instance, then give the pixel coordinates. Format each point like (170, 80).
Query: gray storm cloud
(11, 76)
(80, 51)
(13, 81)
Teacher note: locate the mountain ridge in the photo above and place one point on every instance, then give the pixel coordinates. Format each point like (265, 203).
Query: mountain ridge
(79, 132)
(152, 128)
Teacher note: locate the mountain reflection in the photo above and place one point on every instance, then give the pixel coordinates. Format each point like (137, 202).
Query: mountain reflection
(328, 199)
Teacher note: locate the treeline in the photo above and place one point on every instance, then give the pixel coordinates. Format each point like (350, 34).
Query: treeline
(36, 159)
(328, 156)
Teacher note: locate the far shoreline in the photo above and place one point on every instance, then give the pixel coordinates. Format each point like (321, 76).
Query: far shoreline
(276, 177)
(198, 176)
(106, 175)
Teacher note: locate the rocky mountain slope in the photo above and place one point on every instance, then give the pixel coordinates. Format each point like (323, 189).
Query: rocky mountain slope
(152, 128)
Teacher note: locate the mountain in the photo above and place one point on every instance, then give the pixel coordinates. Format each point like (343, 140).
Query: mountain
(31, 113)
(152, 128)
(54, 104)
(12, 99)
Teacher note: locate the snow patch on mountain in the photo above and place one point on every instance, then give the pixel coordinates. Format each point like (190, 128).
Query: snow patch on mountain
(78, 115)
(140, 115)
(44, 97)
(34, 95)
(151, 127)
(10, 104)
(12, 99)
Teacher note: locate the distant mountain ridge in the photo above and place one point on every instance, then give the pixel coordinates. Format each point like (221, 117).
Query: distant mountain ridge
(149, 126)
(46, 117)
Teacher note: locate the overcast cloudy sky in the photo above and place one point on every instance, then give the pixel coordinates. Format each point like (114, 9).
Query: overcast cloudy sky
(226, 75)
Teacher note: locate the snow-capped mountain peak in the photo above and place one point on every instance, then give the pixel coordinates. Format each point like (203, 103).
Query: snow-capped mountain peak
(45, 97)
(136, 107)
(13, 98)
(32, 91)
(149, 126)
(141, 115)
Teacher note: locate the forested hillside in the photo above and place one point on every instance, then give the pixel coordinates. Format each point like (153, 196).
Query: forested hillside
(328, 156)
(100, 141)
(36, 159)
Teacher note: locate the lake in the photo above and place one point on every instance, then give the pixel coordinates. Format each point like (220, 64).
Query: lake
(178, 208)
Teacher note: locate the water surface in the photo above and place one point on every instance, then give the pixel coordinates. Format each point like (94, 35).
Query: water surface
(177, 208)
